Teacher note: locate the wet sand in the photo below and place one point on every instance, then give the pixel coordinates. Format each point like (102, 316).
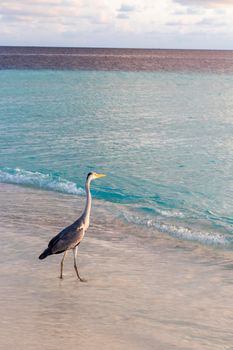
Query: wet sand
(144, 291)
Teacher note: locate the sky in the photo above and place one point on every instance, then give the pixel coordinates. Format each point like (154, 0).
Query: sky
(188, 24)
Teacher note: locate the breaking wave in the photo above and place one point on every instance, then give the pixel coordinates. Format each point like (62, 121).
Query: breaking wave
(183, 233)
(39, 180)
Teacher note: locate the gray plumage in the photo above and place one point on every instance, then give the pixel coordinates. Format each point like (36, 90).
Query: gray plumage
(71, 236)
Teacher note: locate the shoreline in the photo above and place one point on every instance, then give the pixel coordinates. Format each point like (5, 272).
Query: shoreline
(143, 291)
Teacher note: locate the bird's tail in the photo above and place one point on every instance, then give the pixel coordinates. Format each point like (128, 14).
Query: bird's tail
(46, 253)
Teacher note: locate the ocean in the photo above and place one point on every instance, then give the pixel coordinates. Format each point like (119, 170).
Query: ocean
(157, 122)
(158, 252)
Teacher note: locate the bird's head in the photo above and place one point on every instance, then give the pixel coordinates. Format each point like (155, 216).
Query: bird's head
(93, 176)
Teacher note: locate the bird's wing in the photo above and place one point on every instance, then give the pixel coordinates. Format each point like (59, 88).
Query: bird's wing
(66, 239)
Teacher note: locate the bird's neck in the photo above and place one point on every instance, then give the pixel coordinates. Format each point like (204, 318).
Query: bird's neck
(87, 209)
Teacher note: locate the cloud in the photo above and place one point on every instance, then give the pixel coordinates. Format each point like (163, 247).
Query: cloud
(122, 16)
(202, 24)
(205, 3)
(54, 15)
(114, 23)
(124, 11)
(190, 11)
(192, 16)
(38, 8)
(126, 8)
(210, 22)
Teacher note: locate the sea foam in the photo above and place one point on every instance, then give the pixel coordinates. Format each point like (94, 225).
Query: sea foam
(39, 180)
(180, 232)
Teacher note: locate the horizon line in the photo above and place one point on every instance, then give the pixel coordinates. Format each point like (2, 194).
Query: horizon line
(113, 48)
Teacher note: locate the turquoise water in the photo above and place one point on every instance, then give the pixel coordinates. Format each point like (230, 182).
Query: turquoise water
(163, 138)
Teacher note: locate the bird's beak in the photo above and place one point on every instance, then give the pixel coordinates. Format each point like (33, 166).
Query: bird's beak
(100, 175)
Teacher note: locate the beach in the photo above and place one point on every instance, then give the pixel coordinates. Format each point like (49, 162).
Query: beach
(144, 290)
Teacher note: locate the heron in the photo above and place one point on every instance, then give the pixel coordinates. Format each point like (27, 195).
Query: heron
(71, 236)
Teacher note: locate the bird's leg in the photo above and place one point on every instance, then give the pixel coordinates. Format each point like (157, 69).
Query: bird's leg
(62, 263)
(75, 250)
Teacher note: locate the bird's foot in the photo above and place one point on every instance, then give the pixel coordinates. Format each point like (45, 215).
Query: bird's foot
(61, 277)
(82, 279)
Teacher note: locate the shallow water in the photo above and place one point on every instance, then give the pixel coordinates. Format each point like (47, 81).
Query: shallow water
(163, 138)
(144, 290)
